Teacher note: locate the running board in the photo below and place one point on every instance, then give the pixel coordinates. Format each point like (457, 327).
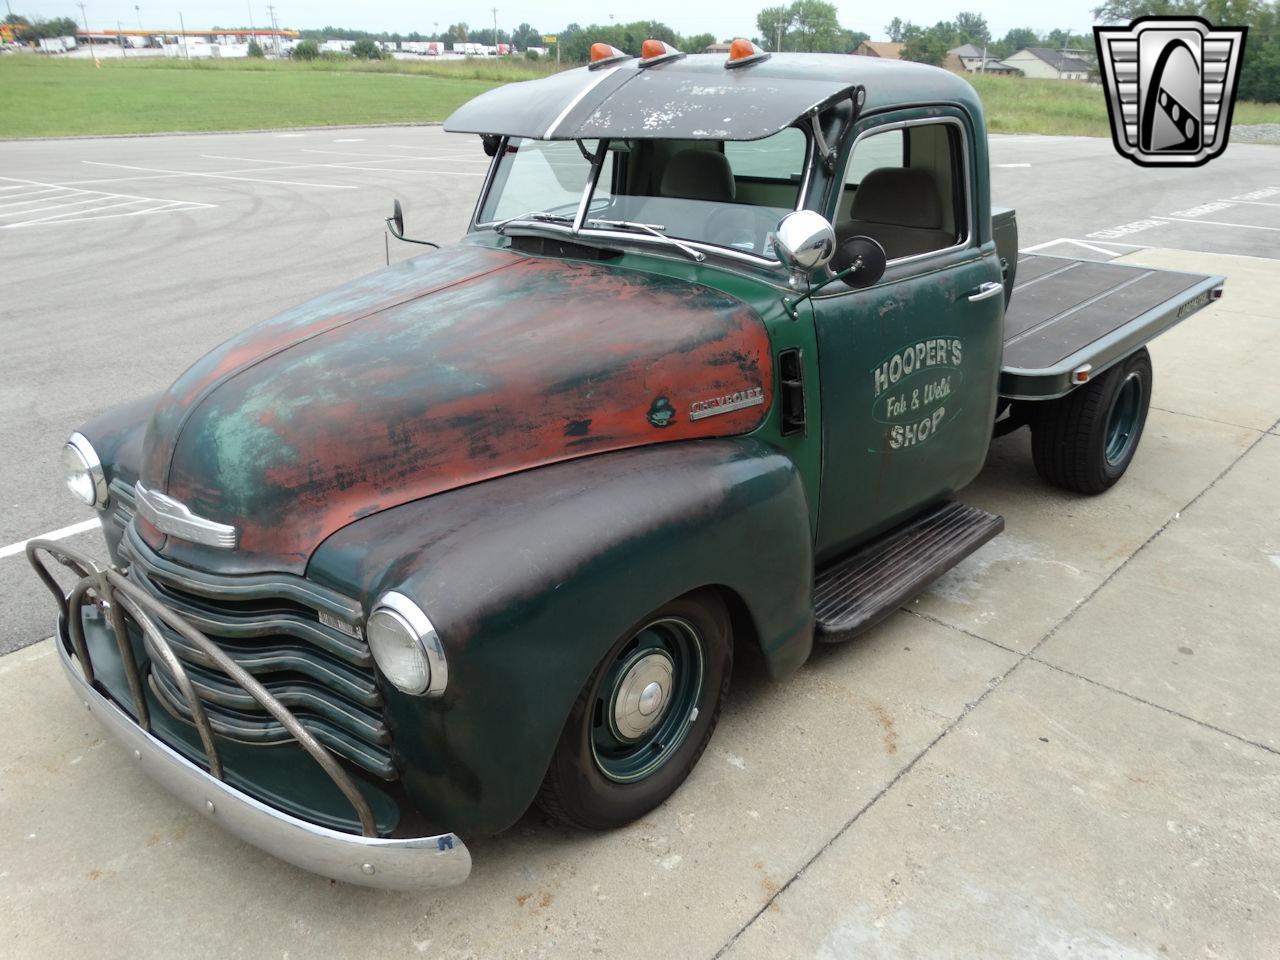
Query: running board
(856, 592)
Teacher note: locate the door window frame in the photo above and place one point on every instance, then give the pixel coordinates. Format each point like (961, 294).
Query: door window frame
(894, 269)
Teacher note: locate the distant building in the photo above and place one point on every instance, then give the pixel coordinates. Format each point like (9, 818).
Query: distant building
(1045, 64)
(969, 59)
(885, 49)
(718, 48)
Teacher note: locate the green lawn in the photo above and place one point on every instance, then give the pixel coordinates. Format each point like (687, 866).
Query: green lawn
(40, 96)
(1019, 105)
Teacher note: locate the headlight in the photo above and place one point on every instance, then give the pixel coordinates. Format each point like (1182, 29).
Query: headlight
(83, 472)
(406, 647)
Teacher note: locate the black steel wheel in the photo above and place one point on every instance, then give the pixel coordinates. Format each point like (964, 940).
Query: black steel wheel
(1086, 440)
(644, 716)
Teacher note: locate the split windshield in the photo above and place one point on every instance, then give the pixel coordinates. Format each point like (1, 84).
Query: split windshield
(728, 194)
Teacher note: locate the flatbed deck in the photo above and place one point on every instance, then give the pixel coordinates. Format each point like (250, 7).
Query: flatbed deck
(1065, 314)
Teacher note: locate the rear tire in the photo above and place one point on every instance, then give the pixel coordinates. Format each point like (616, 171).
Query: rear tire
(614, 763)
(1085, 441)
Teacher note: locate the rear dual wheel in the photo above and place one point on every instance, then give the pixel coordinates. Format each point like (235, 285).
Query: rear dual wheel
(1086, 440)
(644, 717)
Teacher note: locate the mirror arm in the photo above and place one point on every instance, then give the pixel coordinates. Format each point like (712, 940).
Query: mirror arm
(390, 222)
(825, 151)
(792, 304)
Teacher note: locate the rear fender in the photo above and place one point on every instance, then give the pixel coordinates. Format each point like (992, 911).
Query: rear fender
(530, 579)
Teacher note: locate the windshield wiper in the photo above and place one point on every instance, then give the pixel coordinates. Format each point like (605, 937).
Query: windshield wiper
(538, 216)
(654, 229)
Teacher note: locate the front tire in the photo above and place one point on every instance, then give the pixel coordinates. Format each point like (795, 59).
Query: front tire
(1085, 441)
(644, 717)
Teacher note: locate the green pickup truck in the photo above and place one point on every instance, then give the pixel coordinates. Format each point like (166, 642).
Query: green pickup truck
(723, 341)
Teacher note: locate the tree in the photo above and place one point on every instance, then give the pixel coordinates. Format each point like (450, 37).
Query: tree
(524, 37)
(366, 49)
(810, 26)
(457, 33)
(255, 49)
(972, 28)
(897, 30)
(697, 42)
(306, 50)
(928, 44)
(773, 24)
(1017, 39)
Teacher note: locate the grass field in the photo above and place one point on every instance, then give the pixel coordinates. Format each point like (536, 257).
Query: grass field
(45, 98)
(1018, 105)
(42, 97)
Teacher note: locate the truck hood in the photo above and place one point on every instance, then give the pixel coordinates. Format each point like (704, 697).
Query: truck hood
(443, 371)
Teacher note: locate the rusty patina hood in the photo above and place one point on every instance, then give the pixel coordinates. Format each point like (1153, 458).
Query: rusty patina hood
(457, 367)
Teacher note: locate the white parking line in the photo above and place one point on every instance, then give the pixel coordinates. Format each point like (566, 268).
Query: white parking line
(388, 157)
(1220, 223)
(224, 176)
(1255, 203)
(354, 165)
(60, 204)
(1008, 166)
(1078, 243)
(62, 533)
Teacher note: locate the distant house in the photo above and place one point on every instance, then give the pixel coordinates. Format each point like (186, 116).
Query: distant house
(1045, 64)
(969, 59)
(718, 48)
(885, 49)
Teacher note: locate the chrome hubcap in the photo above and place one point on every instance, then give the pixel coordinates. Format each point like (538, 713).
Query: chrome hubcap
(642, 695)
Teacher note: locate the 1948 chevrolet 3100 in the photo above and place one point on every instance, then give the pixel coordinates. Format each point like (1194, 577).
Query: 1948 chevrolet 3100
(484, 528)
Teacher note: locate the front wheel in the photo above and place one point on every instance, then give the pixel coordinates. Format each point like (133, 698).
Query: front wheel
(643, 718)
(1086, 440)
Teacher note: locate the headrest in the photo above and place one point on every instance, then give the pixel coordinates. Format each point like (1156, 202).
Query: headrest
(698, 175)
(901, 196)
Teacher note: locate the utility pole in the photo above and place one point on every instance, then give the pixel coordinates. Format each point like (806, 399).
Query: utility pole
(88, 35)
(120, 37)
(275, 40)
(138, 10)
(252, 29)
(777, 47)
(183, 38)
(495, 30)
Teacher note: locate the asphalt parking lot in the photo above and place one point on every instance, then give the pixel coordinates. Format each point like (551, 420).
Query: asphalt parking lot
(1068, 748)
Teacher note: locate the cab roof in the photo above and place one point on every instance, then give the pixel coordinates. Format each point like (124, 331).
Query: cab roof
(696, 97)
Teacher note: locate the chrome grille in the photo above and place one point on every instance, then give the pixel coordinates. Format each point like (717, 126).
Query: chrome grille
(270, 625)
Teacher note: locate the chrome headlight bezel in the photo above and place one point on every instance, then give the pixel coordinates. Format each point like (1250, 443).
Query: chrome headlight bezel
(79, 456)
(417, 637)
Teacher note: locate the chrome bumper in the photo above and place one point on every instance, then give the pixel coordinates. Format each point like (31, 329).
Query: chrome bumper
(370, 861)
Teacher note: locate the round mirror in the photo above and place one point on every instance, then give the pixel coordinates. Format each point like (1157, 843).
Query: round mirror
(396, 220)
(859, 261)
(804, 241)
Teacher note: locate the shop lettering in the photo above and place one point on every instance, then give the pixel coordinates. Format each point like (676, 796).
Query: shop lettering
(937, 352)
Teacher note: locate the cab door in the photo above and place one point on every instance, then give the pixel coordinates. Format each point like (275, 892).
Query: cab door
(909, 367)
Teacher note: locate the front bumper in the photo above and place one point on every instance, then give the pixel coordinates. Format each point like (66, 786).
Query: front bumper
(371, 861)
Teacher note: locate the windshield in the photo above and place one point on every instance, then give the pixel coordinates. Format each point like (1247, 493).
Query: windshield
(728, 194)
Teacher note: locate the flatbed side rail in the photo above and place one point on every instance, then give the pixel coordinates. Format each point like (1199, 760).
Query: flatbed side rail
(124, 601)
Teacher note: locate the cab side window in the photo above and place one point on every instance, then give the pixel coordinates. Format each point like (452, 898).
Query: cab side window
(905, 187)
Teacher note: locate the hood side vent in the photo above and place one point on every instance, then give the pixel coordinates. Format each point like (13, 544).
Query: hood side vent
(791, 391)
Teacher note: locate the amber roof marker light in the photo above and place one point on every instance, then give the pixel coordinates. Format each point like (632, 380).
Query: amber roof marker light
(603, 54)
(658, 51)
(743, 53)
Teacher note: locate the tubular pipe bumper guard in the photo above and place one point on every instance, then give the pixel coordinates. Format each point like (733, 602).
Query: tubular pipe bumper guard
(367, 860)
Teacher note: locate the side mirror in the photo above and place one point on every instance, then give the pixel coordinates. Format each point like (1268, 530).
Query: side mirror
(395, 222)
(804, 241)
(490, 142)
(859, 262)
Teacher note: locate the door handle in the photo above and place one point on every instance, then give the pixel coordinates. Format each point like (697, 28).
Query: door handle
(986, 292)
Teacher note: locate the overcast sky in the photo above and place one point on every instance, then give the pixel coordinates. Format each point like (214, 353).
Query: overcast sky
(724, 18)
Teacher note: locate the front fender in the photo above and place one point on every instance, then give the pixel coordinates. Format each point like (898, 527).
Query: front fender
(117, 439)
(530, 579)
